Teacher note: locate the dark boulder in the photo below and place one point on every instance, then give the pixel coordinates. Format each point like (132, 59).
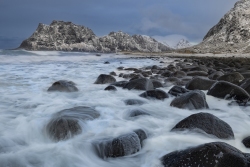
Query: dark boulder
(133, 102)
(63, 86)
(110, 88)
(207, 123)
(166, 73)
(197, 73)
(120, 83)
(137, 112)
(177, 91)
(200, 83)
(155, 94)
(245, 84)
(246, 142)
(178, 74)
(104, 79)
(234, 78)
(123, 145)
(195, 99)
(156, 83)
(223, 89)
(113, 73)
(140, 84)
(215, 75)
(216, 154)
(64, 124)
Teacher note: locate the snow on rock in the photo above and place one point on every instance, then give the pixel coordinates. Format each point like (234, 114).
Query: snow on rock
(183, 43)
(231, 34)
(66, 36)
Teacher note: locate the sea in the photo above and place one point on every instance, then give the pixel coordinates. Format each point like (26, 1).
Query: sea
(26, 108)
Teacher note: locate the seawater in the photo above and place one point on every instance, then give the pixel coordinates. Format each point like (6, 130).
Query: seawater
(26, 107)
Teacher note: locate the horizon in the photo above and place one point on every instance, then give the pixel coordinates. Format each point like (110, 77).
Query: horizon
(166, 20)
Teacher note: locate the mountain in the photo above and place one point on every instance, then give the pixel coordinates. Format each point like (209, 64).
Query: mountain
(183, 43)
(66, 36)
(231, 34)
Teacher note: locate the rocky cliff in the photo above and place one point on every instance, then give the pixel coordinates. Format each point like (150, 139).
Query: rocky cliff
(66, 36)
(183, 43)
(231, 34)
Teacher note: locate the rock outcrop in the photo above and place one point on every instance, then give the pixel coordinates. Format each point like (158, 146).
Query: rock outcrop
(66, 36)
(230, 35)
(183, 43)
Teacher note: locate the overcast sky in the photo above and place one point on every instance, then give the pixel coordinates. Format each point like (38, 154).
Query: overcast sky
(169, 20)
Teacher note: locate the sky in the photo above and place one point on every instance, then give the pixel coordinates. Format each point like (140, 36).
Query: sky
(168, 20)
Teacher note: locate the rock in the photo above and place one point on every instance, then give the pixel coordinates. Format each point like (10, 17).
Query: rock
(134, 102)
(137, 76)
(178, 74)
(177, 91)
(183, 43)
(215, 75)
(166, 73)
(197, 73)
(63, 86)
(66, 36)
(106, 62)
(234, 78)
(140, 84)
(156, 83)
(227, 90)
(200, 83)
(64, 124)
(246, 74)
(214, 154)
(155, 94)
(120, 83)
(191, 100)
(245, 84)
(246, 142)
(104, 79)
(120, 68)
(205, 122)
(110, 88)
(123, 145)
(112, 73)
(137, 112)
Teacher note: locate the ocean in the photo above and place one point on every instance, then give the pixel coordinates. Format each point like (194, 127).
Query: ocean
(26, 108)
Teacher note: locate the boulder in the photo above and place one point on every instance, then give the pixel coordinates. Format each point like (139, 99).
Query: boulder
(215, 75)
(137, 112)
(110, 88)
(178, 74)
(123, 145)
(64, 124)
(63, 86)
(156, 83)
(195, 99)
(245, 84)
(216, 154)
(197, 73)
(104, 79)
(226, 90)
(177, 91)
(139, 84)
(134, 102)
(234, 78)
(200, 83)
(246, 142)
(205, 122)
(113, 73)
(155, 94)
(120, 83)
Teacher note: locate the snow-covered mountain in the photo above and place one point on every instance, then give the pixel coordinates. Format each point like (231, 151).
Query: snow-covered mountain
(66, 36)
(183, 43)
(231, 34)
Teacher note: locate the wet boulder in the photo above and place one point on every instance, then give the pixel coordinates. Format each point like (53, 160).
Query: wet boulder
(215, 75)
(123, 145)
(227, 90)
(120, 83)
(139, 84)
(133, 102)
(197, 73)
(200, 83)
(63, 86)
(65, 124)
(246, 142)
(156, 83)
(205, 122)
(245, 84)
(216, 154)
(192, 100)
(113, 73)
(110, 88)
(177, 91)
(104, 79)
(178, 74)
(234, 78)
(137, 112)
(155, 94)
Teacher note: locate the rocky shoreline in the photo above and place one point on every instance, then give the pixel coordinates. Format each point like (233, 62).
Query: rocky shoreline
(191, 79)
